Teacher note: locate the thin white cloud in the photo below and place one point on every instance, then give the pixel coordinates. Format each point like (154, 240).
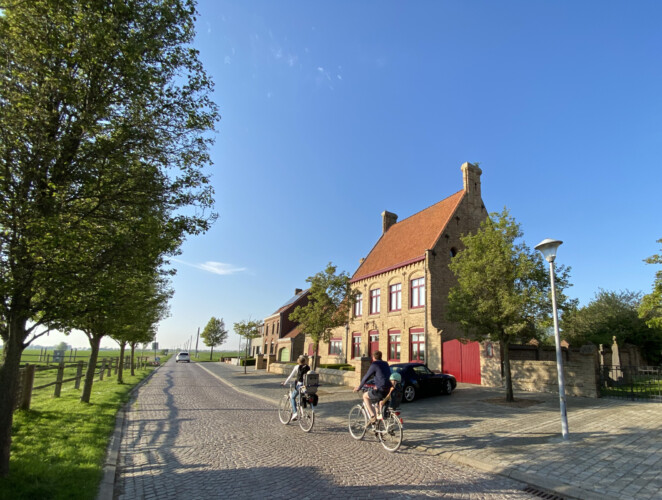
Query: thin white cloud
(221, 268)
(228, 60)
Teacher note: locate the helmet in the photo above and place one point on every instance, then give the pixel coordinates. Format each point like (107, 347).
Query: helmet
(396, 376)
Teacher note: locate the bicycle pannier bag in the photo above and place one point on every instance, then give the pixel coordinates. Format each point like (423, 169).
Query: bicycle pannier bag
(311, 382)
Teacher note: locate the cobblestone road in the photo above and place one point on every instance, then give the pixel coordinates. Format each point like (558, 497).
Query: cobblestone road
(187, 435)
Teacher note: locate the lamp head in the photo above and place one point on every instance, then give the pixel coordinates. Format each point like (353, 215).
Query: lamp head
(548, 248)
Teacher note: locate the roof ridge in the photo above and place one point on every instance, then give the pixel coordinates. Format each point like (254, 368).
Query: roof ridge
(430, 206)
(448, 206)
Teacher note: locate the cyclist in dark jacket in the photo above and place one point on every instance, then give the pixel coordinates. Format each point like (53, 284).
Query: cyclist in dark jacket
(381, 372)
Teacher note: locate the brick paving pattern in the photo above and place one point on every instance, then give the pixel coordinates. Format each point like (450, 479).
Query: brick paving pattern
(188, 435)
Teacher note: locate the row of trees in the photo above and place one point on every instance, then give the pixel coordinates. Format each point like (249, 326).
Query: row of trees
(215, 334)
(105, 115)
(503, 294)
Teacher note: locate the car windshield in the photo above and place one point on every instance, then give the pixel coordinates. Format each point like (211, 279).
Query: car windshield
(422, 370)
(183, 353)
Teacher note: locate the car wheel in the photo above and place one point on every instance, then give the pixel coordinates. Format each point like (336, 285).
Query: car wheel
(409, 394)
(446, 387)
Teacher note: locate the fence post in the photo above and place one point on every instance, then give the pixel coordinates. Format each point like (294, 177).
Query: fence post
(28, 383)
(103, 368)
(79, 375)
(109, 367)
(48, 359)
(58, 380)
(116, 364)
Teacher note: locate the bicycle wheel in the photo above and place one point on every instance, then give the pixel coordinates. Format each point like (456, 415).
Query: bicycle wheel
(390, 432)
(285, 409)
(357, 421)
(306, 418)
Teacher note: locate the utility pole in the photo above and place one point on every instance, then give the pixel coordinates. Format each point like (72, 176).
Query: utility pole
(196, 343)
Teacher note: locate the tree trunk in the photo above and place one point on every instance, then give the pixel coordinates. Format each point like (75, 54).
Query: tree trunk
(120, 368)
(246, 357)
(9, 373)
(133, 364)
(506, 368)
(91, 368)
(315, 356)
(212, 353)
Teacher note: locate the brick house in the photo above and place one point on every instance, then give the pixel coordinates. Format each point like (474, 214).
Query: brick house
(404, 281)
(281, 336)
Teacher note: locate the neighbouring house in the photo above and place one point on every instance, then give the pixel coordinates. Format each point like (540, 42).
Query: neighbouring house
(255, 345)
(281, 336)
(404, 281)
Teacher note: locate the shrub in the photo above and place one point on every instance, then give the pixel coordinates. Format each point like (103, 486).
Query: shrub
(338, 366)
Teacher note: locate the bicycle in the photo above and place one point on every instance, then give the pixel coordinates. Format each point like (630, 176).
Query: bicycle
(388, 429)
(305, 410)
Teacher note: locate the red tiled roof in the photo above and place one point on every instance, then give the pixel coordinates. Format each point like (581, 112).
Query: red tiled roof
(406, 241)
(292, 333)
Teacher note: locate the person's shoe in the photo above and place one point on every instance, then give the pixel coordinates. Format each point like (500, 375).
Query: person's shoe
(294, 417)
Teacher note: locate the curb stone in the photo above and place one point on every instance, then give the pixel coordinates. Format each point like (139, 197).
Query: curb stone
(107, 486)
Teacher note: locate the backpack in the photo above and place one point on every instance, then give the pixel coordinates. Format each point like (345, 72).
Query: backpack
(311, 381)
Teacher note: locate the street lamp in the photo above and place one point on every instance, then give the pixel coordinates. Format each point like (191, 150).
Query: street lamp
(548, 249)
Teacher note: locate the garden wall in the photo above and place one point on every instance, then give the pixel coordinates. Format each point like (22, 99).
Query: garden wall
(580, 370)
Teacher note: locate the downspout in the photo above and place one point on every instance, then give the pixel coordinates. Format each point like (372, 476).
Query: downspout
(425, 307)
(347, 346)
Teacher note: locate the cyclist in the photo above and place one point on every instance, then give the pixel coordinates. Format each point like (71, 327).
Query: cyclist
(297, 373)
(394, 394)
(381, 372)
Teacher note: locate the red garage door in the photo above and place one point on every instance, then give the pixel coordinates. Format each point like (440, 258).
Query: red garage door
(462, 361)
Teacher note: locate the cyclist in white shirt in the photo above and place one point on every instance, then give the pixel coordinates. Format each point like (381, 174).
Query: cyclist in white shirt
(298, 373)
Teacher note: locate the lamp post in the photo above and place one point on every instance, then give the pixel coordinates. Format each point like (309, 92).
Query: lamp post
(548, 249)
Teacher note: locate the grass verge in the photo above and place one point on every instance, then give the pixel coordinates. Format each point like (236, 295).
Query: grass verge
(59, 445)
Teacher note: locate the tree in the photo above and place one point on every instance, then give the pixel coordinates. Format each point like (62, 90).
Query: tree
(651, 304)
(330, 299)
(614, 314)
(104, 107)
(149, 305)
(249, 330)
(214, 334)
(503, 289)
(62, 346)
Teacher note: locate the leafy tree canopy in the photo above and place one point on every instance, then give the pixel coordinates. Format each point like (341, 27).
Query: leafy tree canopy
(503, 288)
(330, 299)
(613, 314)
(650, 308)
(214, 333)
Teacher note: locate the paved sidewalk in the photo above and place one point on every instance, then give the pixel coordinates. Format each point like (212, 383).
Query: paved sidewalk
(614, 450)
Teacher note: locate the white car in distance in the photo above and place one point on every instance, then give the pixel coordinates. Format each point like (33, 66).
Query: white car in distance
(183, 356)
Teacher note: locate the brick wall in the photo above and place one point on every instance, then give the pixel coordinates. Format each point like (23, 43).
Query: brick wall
(580, 373)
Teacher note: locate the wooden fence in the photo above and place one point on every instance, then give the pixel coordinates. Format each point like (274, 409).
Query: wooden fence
(27, 376)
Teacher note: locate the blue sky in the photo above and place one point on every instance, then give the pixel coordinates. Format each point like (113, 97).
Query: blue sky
(336, 111)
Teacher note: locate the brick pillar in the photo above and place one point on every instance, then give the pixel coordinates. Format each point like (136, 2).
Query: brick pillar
(361, 366)
(271, 358)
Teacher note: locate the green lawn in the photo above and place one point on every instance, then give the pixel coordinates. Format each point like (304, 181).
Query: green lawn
(59, 445)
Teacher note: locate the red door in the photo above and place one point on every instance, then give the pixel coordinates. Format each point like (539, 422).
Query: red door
(373, 344)
(462, 361)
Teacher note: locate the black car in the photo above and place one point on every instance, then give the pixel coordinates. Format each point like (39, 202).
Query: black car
(419, 380)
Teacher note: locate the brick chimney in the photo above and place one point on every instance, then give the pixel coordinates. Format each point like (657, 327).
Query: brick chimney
(471, 179)
(297, 291)
(388, 219)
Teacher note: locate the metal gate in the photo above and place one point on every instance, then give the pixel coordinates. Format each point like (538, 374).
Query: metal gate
(642, 383)
(463, 361)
